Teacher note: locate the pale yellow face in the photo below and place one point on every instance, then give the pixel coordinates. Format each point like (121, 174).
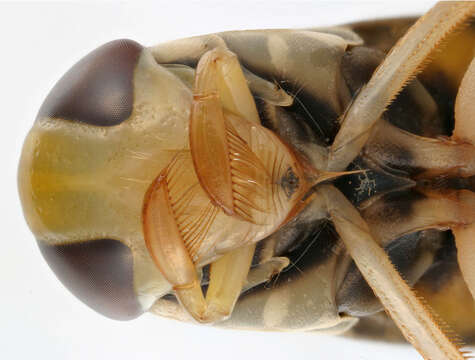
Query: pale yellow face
(80, 182)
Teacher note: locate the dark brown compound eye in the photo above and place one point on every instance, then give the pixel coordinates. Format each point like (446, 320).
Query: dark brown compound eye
(98, 90)
(99, 273)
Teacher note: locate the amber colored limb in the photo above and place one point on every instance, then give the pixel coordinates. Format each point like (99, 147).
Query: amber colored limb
(465, 242)
(210, 151)
(224, 125)
(416, 322)
(169, 220)
(219, 85)
(162, 235)
(219, 71)
(208, 135)
(398, 68)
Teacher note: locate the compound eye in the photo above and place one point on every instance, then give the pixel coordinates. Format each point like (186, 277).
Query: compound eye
(98, 90)
(99, 273)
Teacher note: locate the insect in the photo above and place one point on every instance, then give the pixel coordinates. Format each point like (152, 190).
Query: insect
(267, 179)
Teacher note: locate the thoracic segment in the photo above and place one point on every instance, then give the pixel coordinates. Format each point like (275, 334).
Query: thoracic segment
(242, 193)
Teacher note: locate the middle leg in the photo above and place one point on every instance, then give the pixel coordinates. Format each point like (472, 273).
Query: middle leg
(393, 216)
(415, 321)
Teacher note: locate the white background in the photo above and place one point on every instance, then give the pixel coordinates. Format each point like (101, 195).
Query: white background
(39, 318)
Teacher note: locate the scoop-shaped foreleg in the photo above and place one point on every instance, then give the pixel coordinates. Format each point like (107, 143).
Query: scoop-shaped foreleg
(245, 169)
(221, 156)
(177, 217)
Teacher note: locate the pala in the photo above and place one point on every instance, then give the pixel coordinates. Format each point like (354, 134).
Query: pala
(269, 179)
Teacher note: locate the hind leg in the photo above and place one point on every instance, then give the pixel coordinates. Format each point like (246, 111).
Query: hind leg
(401, 65)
